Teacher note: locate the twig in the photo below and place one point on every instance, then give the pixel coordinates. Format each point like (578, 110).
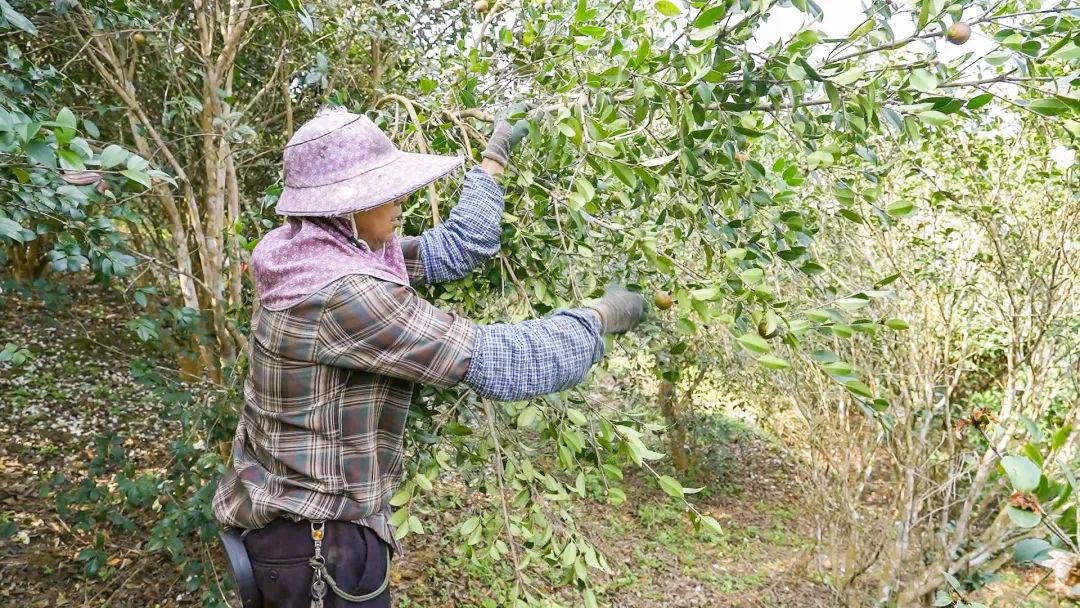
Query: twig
(424, 147)
(490, 413)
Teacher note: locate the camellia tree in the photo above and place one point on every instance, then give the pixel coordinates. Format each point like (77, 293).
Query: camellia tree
(668, 150)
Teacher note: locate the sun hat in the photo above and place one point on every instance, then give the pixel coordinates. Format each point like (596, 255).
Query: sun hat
(339, 163)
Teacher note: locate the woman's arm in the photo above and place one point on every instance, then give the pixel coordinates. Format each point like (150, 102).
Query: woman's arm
(470, 236)
(384, 328)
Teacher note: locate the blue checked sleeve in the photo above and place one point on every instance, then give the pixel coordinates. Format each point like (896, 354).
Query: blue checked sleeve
(470, 236)
(517, 361)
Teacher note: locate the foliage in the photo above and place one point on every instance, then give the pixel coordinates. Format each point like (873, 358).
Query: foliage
(665, 153)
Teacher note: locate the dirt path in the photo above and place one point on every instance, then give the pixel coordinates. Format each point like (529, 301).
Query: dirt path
(79, 386)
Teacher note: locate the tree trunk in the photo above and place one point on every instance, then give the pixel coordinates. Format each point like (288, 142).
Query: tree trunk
(676, 425)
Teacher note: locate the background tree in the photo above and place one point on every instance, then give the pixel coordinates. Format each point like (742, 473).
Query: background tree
(667, 153)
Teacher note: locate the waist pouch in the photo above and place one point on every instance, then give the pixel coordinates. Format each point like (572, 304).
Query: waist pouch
(335, 564)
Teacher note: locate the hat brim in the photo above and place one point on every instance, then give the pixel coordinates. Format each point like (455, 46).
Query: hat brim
(404, 175)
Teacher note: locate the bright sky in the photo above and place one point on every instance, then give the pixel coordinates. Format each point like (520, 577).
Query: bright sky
(843, 16)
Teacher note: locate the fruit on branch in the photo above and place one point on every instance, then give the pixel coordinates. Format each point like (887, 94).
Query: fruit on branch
(767, 332)
(742, 156)
(481, 6)
(662, 300)
(138, 38)
(958, 33)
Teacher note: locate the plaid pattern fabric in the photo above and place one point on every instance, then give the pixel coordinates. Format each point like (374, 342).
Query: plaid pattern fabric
(326, 400)
(470, 236)
(414, 266)
(517, 361)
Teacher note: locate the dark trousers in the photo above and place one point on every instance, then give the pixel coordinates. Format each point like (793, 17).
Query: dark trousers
(355, 556)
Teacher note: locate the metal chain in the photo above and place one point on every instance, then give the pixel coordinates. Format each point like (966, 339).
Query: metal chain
(322, 577)
(318, 564)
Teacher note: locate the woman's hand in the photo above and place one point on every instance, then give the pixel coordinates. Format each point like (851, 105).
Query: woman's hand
(503, 140)
(620, 310)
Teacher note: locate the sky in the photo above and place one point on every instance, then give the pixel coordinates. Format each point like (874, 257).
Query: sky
(843, 16)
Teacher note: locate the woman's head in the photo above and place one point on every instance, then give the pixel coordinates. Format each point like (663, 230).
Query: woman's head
(378, 225)
(340, 163)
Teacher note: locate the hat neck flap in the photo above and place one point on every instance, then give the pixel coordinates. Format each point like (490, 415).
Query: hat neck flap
(298, 259)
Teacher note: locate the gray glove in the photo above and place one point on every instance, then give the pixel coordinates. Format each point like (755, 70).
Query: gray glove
(620, 310)
(506, 136)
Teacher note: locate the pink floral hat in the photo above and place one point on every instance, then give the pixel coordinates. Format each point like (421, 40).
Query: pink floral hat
(339, 163)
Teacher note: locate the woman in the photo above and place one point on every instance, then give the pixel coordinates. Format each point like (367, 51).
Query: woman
(340, 338)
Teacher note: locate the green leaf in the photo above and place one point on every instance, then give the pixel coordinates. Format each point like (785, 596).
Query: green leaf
(137, 163)
(852, 303)
(11, 229)
(943, 598)
(66, 119)
(112, 156)
(923, 80)
(16, 19)
(706, 294)
(900, 208)
(671, 486)
(1030, 550)
(415, 526)
(710, 16)
(576, 416)
(752, 275)
(773, 362)
(422, 481)
(857, 387)
(933, 117)
(70, 159)
(838, 368)
(979, 101)
(897, 324)
(753, 343)
(1023, 473)
(526, 417)
(711, 524)
(625, 174)
(1048, 107)
(660, 160)
(139, 177)
(399, 517)
(469, 525)
(1060, 436)
(1022, 518)
(402, 497)
(820, 158)
(616, 496)
(668, 8)
(849, 76)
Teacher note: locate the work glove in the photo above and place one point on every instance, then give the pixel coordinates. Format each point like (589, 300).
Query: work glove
(620, 310)
(506, 136)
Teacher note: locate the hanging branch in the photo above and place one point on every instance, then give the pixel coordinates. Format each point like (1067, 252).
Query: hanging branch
(423, 145)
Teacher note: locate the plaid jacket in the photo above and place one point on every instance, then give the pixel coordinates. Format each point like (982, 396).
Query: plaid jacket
(331, 378)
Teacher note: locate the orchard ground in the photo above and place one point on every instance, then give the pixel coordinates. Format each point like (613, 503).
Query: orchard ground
(78, 386)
